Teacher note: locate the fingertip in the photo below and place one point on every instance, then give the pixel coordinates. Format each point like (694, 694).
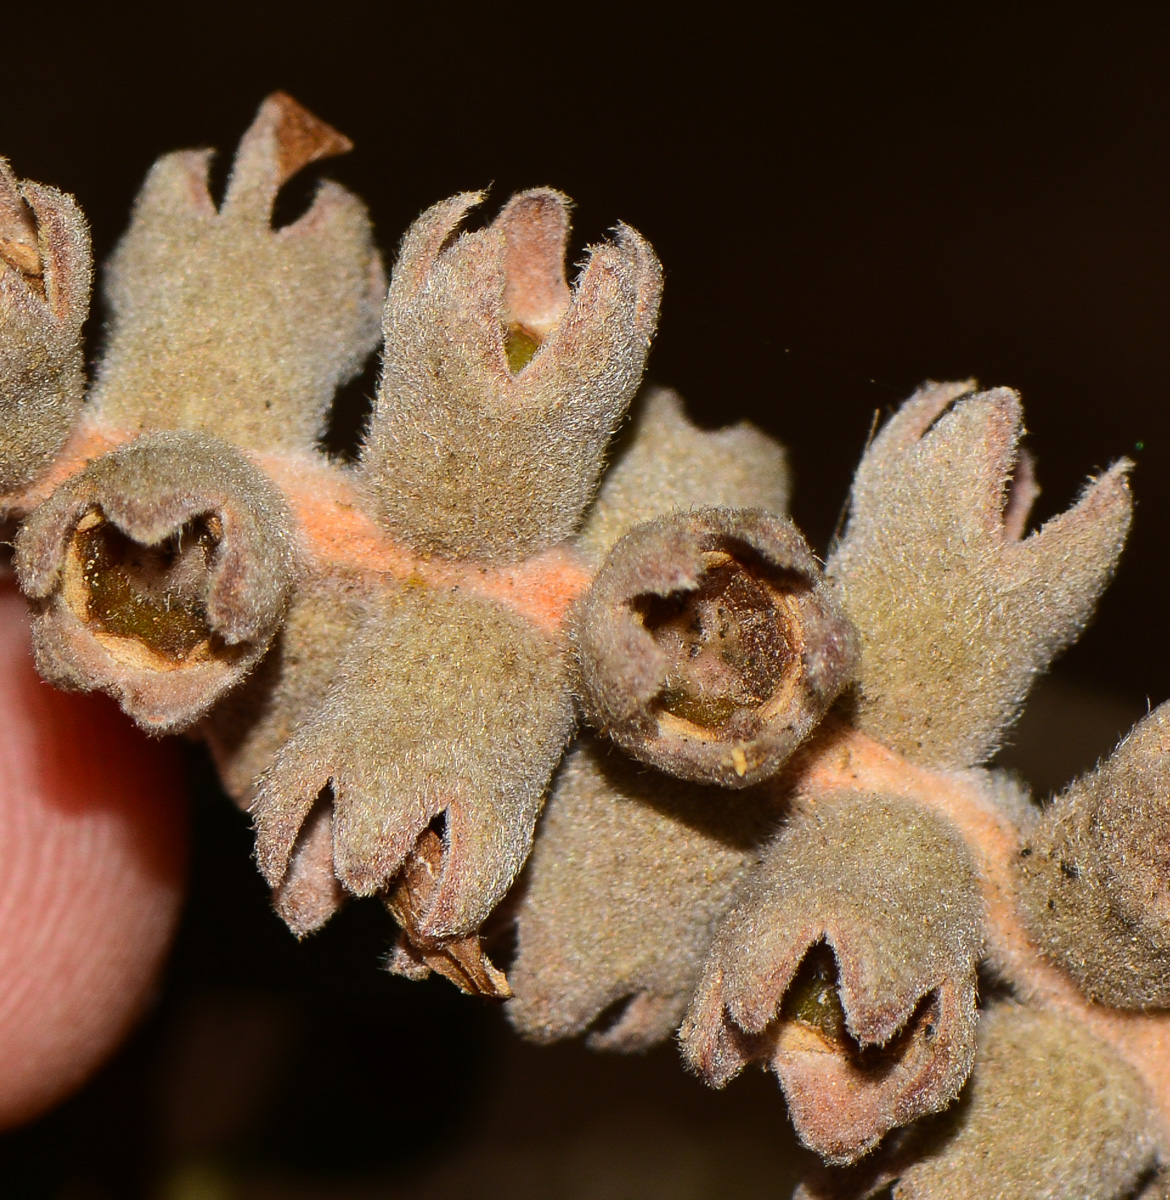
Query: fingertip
(93, 833)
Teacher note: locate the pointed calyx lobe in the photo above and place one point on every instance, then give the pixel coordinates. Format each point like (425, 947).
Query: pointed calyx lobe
(310, 892)
(710, 646)
(159, 574)
(1094, 873)
(501, 386)
(443, 704)
(627, 883)
(957, 613)
(1049, 1111)
(45, 274)
(849, 968)
(664, 463)
(222, 323)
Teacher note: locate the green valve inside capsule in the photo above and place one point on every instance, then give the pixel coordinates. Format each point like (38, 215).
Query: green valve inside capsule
(812, 998)
(520, 347)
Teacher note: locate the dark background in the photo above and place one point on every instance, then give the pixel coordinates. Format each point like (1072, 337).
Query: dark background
(845, 204)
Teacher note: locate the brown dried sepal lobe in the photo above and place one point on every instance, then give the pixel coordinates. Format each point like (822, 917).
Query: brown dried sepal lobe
(160, 574)
(461, 960)
(709, 645)
(283, 139)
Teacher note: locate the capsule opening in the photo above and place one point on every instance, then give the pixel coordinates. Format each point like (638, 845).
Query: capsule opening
(144, 603)
(733, 645)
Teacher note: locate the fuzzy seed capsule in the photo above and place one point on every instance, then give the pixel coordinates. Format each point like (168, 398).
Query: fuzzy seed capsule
(710, 646)
(222, 323)
(160, 574)
(501, 384)
(1092, 875)
(956, 609)
(849, 969)
(594, 935)
(45, 274)
(443, 703)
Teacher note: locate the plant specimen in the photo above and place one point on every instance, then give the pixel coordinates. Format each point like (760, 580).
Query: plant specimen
(774, 833)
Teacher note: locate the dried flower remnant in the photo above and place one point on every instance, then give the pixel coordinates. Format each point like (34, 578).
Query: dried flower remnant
(385, 660)
(710, 646)
(461, 960)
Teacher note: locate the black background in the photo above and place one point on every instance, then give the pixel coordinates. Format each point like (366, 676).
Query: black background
(845, 204)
